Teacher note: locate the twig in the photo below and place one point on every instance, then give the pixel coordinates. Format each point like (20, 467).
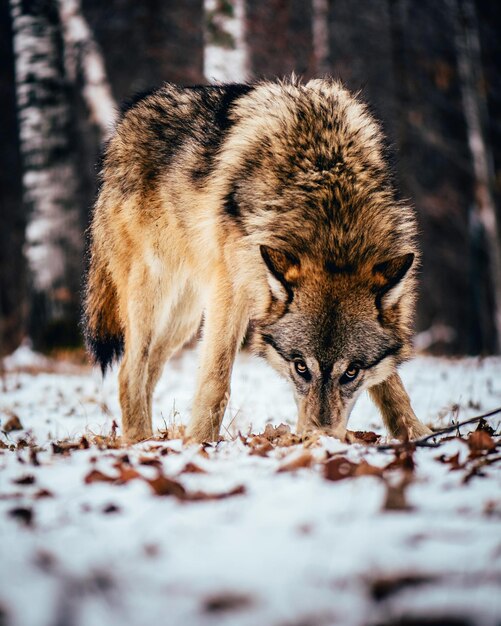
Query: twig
(423, 442)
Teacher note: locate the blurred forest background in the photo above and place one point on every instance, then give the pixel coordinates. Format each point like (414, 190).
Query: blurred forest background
(428, 68)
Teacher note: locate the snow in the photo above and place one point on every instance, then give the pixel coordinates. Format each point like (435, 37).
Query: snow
(295, 548)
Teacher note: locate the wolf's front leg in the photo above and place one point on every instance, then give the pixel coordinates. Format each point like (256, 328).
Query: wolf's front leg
(225, 323)
(393, 402)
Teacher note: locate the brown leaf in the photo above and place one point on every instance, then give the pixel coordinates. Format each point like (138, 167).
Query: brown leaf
(366, 436)
(127, 473)
(96, 476)
(197, 496)
(274, 432)
(163, 486)
(366, 469)
(303, 460)
(22, 513)
(111, 508)
(66, 447)
(149, 460)
(339, 468)
(453, 461)
(43, 493)
(260, 445)
(382, 588)
(13, 423)
(27, 479)
(227, 601)
(480, 440)
(192, 468)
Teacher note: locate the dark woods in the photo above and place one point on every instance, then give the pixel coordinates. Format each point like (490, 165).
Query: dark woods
(428, 69)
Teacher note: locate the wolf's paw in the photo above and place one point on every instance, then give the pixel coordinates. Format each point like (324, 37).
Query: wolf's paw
(418, 430)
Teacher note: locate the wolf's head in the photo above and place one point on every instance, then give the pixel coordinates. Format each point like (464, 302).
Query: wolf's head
(334, 331)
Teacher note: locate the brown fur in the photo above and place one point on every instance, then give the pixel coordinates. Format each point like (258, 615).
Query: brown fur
(267, 207)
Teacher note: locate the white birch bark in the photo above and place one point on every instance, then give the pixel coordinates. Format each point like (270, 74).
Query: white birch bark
(85, 65)
(226, 64)
(50, 183)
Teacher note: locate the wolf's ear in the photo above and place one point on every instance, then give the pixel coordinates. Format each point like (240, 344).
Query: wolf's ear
(388, 277)
(284, 270)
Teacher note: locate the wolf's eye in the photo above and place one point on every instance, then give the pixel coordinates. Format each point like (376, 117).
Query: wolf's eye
(301, 368)
(350, 374)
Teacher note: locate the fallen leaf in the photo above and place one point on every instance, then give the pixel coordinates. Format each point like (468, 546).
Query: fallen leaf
(13, 423)
(339, 468)
(149, 460)
(260, 446)
(303, 460)
(111, 508)
(27, 479)
(43, 493)
(126, 473)
(96, 476)
(22, 513)
(452, 460)
(384, 587)
(163, 486)
(227, 601)
(274, 432)
(367, 437)
(192, 468)
(480, 440)
(366, 469)
(198, 496)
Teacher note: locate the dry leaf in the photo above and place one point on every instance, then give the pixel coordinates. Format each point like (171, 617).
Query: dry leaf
(382, 588)
(453, 461)
(23, 514)
(366, 469)
(274, 432)
(480, 440)
(303, 460)
(339, 468)
(95, 476)
(197, 496)
(150, 460)
(367, 437)
(192, 468)
(13, 423)
(163, 486)
(27, 479)
(260, 445)
(43, 493)
(227, 601)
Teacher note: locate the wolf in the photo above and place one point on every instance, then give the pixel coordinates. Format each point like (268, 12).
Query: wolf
(263, 210)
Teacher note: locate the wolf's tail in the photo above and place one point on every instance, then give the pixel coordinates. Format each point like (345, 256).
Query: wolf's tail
(103, 333)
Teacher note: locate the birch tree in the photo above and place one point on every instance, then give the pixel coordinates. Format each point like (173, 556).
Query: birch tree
(54, 232)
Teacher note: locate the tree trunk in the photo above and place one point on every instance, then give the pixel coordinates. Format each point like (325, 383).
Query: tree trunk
(483, 210)
(279, 35)
(148, 42)
(12, 218)
(434, 169)
(360, 53)
(51, 192)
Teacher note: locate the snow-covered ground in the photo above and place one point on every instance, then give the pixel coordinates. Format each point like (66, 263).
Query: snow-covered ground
(234, 540)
